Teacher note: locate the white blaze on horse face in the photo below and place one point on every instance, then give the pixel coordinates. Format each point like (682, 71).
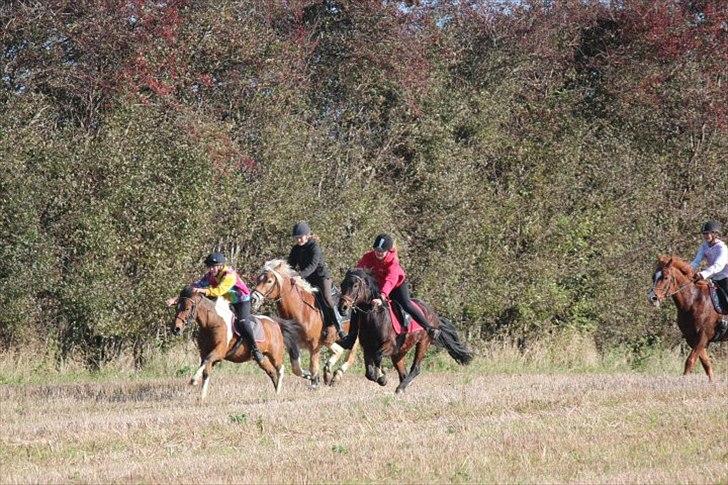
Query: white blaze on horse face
(222, 308)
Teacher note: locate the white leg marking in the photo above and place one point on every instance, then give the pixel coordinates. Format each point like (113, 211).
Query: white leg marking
(197, 376)
(279, 384)
(344, 367)
(205, 385)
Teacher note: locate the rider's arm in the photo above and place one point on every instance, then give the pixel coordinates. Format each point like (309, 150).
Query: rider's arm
(720, 262)
(226, 284)
(698, 257)
(316, 258)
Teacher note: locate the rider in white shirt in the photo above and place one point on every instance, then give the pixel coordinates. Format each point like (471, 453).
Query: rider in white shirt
(715, 253)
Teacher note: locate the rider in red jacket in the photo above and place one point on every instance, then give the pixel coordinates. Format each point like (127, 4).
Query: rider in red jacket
(383, 262)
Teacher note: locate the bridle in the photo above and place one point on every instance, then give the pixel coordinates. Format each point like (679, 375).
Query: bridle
(672, 281)
(264, 296)
(192, 315)
(349, 300)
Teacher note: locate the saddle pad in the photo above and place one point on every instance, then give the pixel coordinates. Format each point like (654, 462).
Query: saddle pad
(397, 325)
(718, 302)
(222, 307)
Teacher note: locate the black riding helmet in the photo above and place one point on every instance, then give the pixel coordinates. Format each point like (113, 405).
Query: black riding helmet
(214, 259)
(383, 242)
(301, 229)
(711, 226)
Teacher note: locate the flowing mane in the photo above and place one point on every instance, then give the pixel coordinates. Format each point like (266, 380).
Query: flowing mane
(679, 263)
(280, 269)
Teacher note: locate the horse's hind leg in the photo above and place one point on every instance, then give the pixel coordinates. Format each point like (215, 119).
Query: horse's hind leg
(314, 368)
(705, 361)
(271, 370)
(195, 379)
(420, 351)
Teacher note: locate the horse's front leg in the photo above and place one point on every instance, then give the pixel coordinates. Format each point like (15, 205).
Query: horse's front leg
(697, 349)
(336, 352)
(350, 359)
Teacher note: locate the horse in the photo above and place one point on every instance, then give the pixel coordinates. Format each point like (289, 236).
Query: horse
(377, 335)
(295, 300)
(696, 317)
(215, 339)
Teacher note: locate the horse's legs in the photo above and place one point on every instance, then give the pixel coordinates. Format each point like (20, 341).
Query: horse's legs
(350, 358)
(198, 374)
(271, 370)
(694, 353)
(336, 352)
(399, 364)
(420, 351)
(705, 361)
(314, 367)
(298, 371)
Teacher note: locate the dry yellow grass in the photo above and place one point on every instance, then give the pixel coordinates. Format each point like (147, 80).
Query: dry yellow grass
(451, 426)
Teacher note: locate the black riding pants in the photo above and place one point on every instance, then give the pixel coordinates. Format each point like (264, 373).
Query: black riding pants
(324, 286)
(723, 284)
(245, 325)
(401, 295)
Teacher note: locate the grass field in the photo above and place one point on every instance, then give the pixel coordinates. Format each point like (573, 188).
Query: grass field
(485, 423)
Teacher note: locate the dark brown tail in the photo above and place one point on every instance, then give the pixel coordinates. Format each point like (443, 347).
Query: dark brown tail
(451, 341)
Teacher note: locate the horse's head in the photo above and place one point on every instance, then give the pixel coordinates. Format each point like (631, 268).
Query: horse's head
(358, 288)
(186, 311)
(268, 284)
(671, 275)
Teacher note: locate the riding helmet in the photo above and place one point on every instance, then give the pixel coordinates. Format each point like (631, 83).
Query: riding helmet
(301, 229)
(214, 259)
(711, 226)
(383, 242)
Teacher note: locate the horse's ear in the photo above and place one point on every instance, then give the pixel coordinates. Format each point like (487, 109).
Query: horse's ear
(664, 261)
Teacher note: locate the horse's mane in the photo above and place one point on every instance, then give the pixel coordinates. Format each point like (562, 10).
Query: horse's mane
(188, 292)
(280, 268)
(678, 263)
(368, 276)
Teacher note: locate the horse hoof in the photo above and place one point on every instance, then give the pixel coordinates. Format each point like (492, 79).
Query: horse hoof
(337, 376)
(382, 381)
(399, 390)
(194, 382)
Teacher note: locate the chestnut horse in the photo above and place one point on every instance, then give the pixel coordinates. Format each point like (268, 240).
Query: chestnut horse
(216, 342)
(296, 301)
(696, 317)
(378, 338)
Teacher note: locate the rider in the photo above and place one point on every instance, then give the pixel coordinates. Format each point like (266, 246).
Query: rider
(307, 258)
(384, 264)
(223, 280)
(715, 252)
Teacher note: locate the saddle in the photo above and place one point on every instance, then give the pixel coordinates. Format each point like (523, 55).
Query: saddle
(398, 315)
(335, 296)
(719, 298)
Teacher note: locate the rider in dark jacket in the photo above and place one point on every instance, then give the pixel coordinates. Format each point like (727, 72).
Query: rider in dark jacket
(307, 258)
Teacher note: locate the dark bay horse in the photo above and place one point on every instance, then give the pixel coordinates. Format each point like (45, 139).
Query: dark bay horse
(696, 317)
(378, 338)
(216, 342)
(296, 301)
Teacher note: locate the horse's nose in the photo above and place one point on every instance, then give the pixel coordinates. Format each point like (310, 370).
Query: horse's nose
(176, 331)
(652, 298)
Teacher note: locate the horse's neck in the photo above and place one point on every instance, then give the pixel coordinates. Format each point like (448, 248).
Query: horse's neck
(686, 294)
(293, 302)
(207, 317)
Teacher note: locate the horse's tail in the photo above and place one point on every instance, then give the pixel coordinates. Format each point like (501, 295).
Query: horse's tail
(451, 341)
(289, 329)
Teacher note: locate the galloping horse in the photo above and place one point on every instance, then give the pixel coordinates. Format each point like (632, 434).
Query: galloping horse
(215, 337)
(696, 317)
(378, 337)
(296, 301)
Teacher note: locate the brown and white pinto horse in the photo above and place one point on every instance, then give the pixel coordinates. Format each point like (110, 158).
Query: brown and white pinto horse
(216, 342)
(696, 317)
(296, 301)
(378, 338)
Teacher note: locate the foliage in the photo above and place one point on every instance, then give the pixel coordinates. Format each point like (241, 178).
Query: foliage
(532, 158)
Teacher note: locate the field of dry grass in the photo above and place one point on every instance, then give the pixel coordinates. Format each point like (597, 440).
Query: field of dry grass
(468, 425)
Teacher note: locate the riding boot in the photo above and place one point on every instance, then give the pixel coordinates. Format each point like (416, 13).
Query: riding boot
(246, 332)
(338, 321)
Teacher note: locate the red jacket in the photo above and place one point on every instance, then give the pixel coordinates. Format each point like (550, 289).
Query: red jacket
(388, 273)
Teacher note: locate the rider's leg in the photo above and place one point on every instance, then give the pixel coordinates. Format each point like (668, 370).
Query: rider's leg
(245, 327)
(401, 295)
(723, 285)
(329, 302)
